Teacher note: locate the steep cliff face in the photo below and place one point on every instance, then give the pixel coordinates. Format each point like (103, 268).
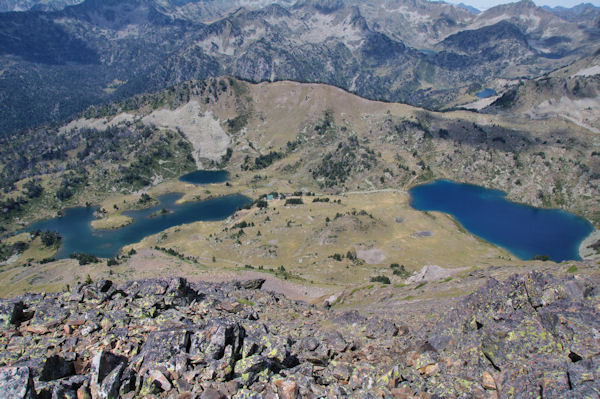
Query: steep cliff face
(529, 334)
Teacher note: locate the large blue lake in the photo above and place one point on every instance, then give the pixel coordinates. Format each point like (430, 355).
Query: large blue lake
(523, 230)
(78, 236)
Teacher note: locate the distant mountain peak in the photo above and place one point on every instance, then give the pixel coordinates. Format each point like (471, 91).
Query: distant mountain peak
(577, 8)
(527, 3)
(515, 7)
(357, 20)
(469, 8)
(273, 10)
(323, 6)
(576, 13)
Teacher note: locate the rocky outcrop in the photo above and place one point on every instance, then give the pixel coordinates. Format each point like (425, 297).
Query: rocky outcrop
(533, 334)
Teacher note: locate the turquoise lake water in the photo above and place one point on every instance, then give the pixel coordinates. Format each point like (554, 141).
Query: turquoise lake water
(523, 230)
(78, 236)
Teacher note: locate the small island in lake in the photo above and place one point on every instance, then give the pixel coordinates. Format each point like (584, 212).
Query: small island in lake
(161, 212)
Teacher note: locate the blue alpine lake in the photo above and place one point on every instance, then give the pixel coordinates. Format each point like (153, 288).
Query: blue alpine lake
(486, 93)
(205, 177)
(78, 236)
(523, 230)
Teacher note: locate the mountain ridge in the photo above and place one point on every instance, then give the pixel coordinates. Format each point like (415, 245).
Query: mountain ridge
(145, 46)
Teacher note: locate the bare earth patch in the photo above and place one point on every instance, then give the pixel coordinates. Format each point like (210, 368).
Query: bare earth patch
(371, 256)
(202, 130)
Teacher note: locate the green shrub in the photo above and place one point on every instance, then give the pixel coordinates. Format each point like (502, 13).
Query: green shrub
(50, 238)
(20, 247)
(294, 201)
(380, 279)
(399, 270)
(144, 198)
(337, 257)
(112, 262)
(83, 258)
(33, 189)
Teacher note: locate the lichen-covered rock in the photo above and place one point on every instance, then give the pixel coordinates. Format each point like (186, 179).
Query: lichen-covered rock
(377, 327)
(56, 367)
(16, 383)
(532, 331)
(160, 346)
(168, 338)
(11, 312)
(255, 284)
(217, 335)
(250, 368)
(287, 389)
(159, 379)
(48, 315)
(105, 374)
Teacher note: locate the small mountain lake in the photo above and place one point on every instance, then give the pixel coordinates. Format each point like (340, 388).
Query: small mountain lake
(523, 230)
(486, 93)
(205, 177)
(78, 236)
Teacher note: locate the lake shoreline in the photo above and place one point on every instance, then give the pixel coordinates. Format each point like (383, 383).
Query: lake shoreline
(586, 253)
(79, 235)
(525, 231)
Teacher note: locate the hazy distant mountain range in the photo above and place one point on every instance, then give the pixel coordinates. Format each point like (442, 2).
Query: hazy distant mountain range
(206, 5)
(55, 63)
(577, 13)
(24, 5)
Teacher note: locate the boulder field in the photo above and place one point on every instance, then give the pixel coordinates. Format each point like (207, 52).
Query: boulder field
(532, 335)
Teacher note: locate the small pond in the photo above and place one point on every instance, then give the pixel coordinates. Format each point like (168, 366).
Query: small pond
(523, 230)
(205, 177)
(78, 236)
(486, 93)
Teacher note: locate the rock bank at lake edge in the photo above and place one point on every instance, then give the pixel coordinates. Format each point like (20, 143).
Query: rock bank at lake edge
(585, 248)
(171, 338)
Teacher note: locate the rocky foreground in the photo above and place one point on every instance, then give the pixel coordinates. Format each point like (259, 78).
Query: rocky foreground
(533, 335)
